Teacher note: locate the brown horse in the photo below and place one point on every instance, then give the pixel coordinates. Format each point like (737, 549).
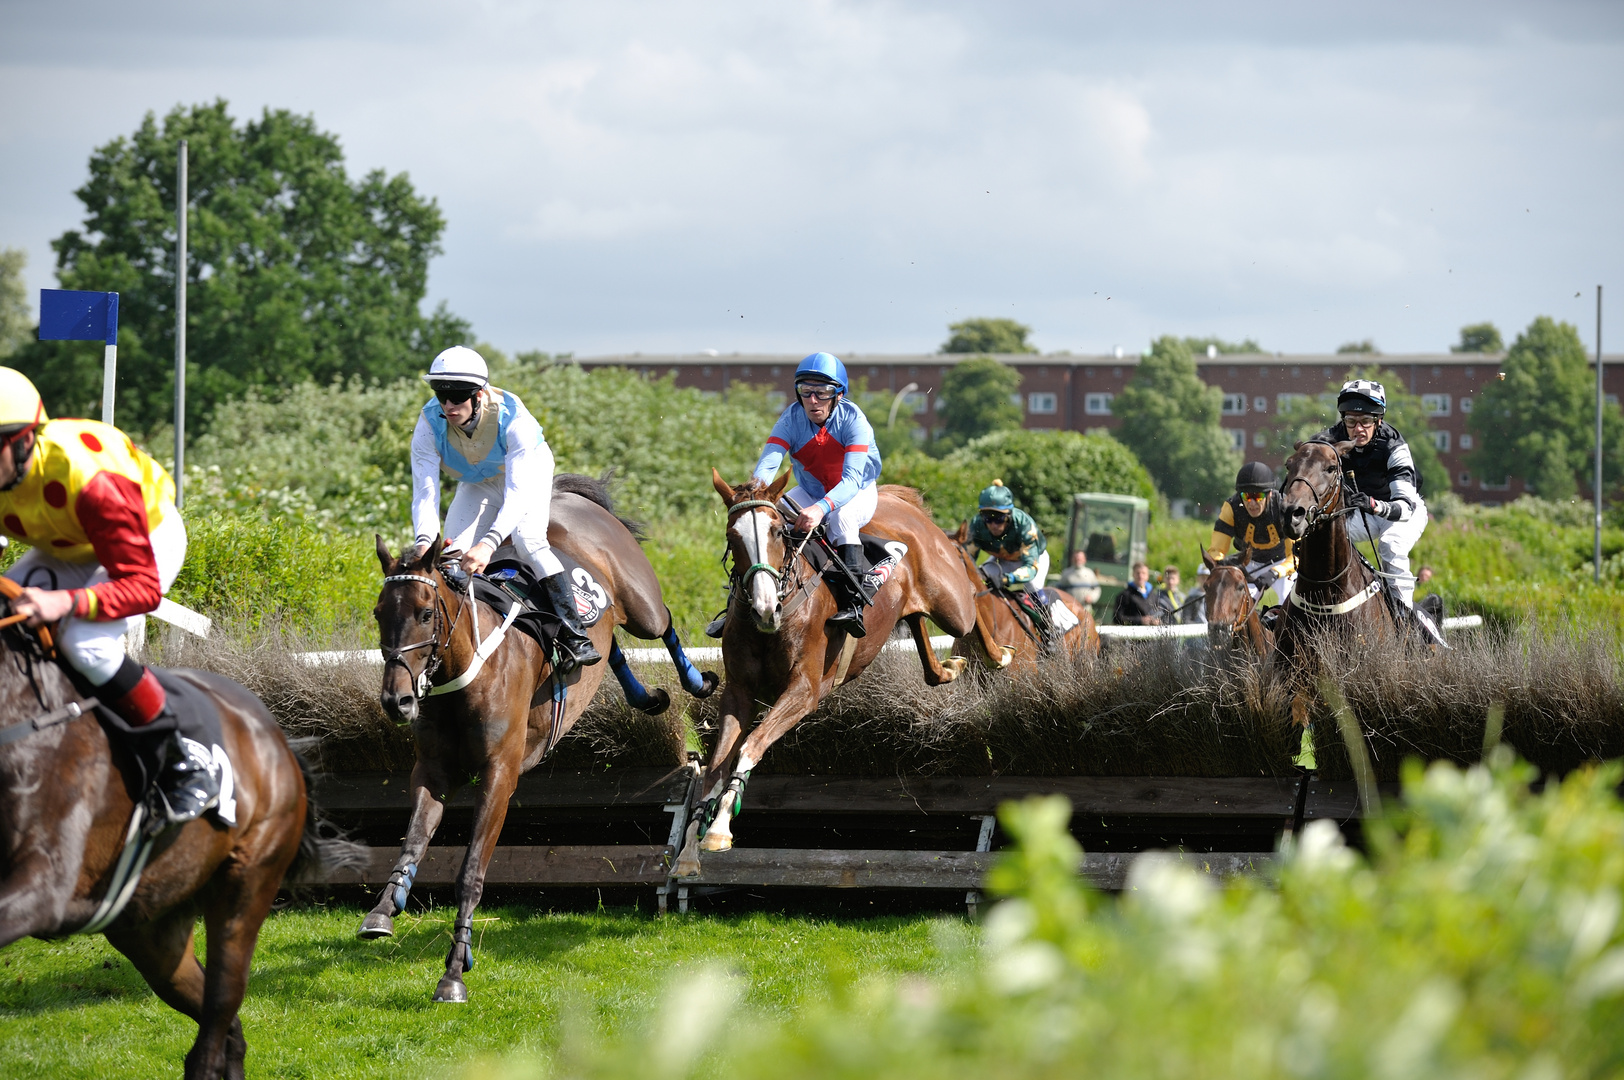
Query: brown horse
(508, 717)
(1233, 618)
(777, 648)
(1004, 631)
(66, 809)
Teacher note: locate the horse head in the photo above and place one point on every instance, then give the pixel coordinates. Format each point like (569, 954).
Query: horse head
(1227, 599)
(1312, 488)
(411, 618)
(755, 540)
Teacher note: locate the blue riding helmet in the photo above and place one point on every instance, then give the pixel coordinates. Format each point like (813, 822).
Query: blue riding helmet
(823, 367)
(996, 497)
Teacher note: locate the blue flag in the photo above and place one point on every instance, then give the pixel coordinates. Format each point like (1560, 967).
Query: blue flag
(72, 315)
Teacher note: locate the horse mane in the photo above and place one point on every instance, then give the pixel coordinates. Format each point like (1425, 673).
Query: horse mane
(906, 494)
(597, 491)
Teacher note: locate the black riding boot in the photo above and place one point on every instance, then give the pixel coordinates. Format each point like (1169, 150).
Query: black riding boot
(848, 594)
(575, 649)
(188, 784)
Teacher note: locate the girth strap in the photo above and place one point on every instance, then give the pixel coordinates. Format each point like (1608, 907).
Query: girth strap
(1342, 608)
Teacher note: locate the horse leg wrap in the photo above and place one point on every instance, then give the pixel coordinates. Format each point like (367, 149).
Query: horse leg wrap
(637, 695)
(735, 791)
(462, 941)
(699, 685)
(402, 880)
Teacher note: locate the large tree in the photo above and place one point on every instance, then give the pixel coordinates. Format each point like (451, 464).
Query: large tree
(1483, 337)
(988, 336)
(1538, 421)
(1170, 420)
(295, 271)
(979, 396)
(14, 329)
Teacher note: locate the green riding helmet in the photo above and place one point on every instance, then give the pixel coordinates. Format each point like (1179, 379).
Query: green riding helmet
(1255, 476)
(996, 497)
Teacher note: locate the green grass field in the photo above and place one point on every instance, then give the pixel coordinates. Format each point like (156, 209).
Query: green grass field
(323, 1004)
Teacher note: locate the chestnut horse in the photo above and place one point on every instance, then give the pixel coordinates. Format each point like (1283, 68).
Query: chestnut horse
(1004, 632)
(507, 718)
(778, 651)
(67, 809)
(1233, 616)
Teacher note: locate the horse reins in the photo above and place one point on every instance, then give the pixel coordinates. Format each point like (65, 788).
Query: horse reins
(434, 643)
(787, 581)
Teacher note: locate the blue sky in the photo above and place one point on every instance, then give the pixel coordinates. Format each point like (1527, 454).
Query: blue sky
(786, 177)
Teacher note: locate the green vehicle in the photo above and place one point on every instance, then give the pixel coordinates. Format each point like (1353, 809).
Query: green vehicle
(1112, 530)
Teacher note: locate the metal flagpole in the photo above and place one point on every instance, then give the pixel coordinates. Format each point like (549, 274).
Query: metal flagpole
(1599, 448)
(110, 359)
(180, 327)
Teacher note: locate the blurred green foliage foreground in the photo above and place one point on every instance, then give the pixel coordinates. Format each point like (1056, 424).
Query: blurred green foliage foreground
(1481, 939)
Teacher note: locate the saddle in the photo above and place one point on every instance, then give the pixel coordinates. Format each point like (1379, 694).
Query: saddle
(189, 713)
(881, 555)
(507, 580)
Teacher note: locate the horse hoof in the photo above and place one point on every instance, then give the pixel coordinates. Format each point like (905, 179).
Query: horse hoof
(451, 990)
(954, 666)
(708, 683)
(376, 925)
(1006, 656)
(716, 842)
(661, 702)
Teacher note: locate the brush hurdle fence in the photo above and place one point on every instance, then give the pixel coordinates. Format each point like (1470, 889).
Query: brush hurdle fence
(623, 827)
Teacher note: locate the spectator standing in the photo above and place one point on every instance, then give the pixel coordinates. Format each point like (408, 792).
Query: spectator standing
(1080, 580)
(1137, 605)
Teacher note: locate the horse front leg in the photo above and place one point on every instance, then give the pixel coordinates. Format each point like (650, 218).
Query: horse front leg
(797, 700)
(500, 779)
(736, 708)
(431, 785)
(937, 672)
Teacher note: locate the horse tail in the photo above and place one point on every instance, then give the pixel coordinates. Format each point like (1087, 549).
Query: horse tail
(597, 491)
(322, 847)
(906, 494)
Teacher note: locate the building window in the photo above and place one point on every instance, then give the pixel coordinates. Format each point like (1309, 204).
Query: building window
(1233, 373)
(1088, 373)
(1435, 404)
(913, 373)
(1116, 373)
(1611, 399)
(1097, 431)
(917, 402)
(1504, 485)
(1296, 371)
(1234, 404)
(1437, 372)
(1282, 402)
(1043, 372)
(1260, 438)
(1466, 441)
(1440, 441)
(1465, 478)
(705, 371)
(1237, 438)
(744, 372)
(1326, 372)
(1465, 404)
(873, 372)
(1471, 371)
(1260, 404)
(1044, 404)
(1097, 404)
(776, 372)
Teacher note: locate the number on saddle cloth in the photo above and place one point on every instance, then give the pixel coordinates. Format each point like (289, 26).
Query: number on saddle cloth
(509, 579)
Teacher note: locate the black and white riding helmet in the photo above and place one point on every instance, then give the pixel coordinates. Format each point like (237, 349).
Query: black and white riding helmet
(1362, 396)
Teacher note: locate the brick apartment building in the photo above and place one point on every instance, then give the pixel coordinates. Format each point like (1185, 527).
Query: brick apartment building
(1075, 392)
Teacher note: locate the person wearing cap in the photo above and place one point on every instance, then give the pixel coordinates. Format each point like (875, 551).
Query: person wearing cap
(831, 448)
(486, 440)
(105, 544)
(1387, 487)
(1254, 519)
(1017, 551)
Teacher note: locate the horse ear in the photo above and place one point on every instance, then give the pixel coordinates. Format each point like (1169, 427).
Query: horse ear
(386, 559)
(1343, 447)
(431, 557)
(1297, 446)
(1206, 556)
(777, 487)
(721, 486)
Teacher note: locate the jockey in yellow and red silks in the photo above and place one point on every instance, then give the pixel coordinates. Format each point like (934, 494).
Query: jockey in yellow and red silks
(105, 543)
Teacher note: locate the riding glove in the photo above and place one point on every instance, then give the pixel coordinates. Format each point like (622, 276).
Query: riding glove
(1392, 511)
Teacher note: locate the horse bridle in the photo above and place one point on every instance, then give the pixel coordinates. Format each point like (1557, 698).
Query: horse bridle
(1321, 513)
(434, 643)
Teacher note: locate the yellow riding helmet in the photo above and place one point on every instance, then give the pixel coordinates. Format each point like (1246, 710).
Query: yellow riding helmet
(20, 404)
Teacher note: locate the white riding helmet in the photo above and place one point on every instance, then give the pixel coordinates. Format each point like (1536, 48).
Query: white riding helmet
(459, 364)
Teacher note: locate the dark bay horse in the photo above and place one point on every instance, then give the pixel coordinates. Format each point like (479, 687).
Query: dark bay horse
(1004, 633)
(504, 721)
(778, 651)
(66, 808)
(1233, 618)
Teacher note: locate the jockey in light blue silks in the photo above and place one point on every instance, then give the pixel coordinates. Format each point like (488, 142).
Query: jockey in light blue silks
(837, 467)
(487, 441)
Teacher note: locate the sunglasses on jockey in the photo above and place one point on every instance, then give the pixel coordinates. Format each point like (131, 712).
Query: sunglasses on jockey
(821, 391)
(995, 515)
(453, 393)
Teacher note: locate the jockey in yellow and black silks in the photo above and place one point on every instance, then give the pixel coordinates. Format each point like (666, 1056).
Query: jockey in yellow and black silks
(1252, 520)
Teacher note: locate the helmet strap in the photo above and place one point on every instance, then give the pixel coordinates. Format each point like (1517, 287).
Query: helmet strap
(19, 464)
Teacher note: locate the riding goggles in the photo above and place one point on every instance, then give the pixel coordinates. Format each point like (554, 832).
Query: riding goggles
(1255, 496)
(995, 515)
(453, 393)
(821, 391)
(1360, 420)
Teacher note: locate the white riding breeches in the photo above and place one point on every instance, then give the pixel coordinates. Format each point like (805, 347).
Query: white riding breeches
(475, 506)
(1393, 540)
(1009, 566)
(95, 647)
(843, 524)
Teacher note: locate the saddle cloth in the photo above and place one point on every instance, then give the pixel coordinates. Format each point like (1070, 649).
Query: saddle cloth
(881, 555)
(192, 714)
(508, 580)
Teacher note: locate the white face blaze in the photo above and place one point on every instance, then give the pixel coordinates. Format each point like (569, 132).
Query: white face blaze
(752, 529)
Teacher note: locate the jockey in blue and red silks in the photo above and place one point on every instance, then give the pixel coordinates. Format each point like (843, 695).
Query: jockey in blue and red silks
(837, 467)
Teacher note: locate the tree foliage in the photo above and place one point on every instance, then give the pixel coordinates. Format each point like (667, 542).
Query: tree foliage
(1365, 346)
(988, 336)
(14, 329)
(296, 272)
(1483, 337)
(978, 398)
(1538, 423)
(1170, 420)
(1305, 416)
(1198, 346)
